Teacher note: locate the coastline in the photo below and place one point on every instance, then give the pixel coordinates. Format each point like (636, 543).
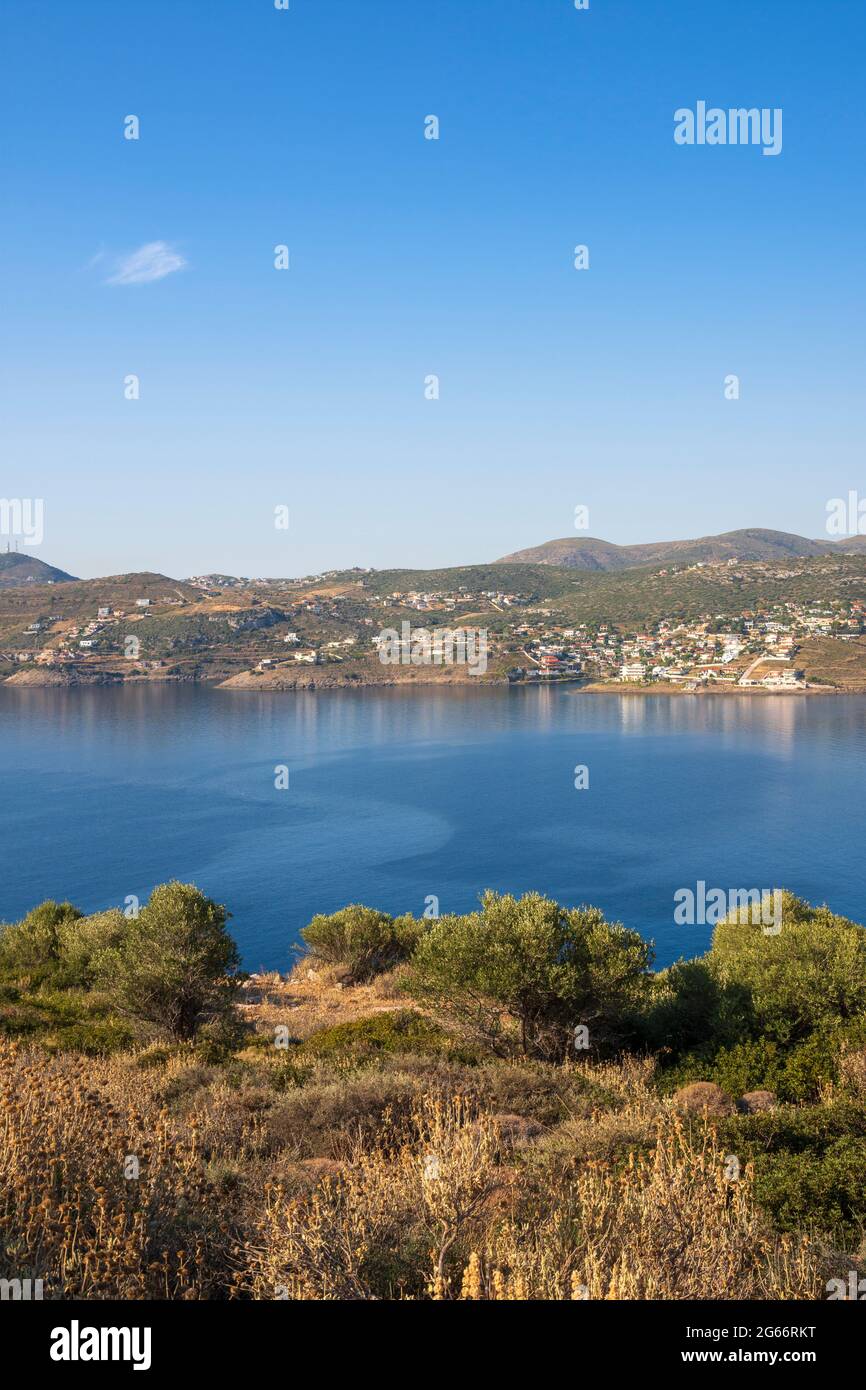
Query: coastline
(51, 678)
(635, 688)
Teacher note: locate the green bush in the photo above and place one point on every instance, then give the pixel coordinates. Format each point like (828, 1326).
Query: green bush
(72, 1020)
(363, 940)
(811, 975)
(822, 1192)
(808, 1066)
(795, 1074)
(82, 941)
(796, 1129)
(31, 948)
(56, 946)
(95, 1037)
(691, 1008)
(174, 964)
(810, 1166)
(754, 1065)
(763, 1010)
(403, 1031)
(521, 974)
(217, 1041)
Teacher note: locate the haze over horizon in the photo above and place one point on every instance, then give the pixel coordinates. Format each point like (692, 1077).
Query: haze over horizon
(409, 257)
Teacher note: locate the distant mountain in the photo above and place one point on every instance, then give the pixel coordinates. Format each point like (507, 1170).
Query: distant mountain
(587, 553)
(17, 569)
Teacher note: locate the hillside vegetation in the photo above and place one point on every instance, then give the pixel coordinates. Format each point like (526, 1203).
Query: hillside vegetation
(508, 1105)
(585, 552)
(641, 595)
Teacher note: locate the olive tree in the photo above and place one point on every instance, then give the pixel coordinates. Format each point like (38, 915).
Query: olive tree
(362, 939)
(175, 963)
(807, 972)
(523, 973)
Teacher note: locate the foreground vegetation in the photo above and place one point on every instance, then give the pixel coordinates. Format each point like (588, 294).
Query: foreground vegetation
(508, 1104)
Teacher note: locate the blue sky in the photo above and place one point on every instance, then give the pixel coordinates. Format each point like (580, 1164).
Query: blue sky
(411, 257)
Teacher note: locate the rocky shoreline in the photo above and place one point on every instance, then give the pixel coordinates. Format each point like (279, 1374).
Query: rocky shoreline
(52, 678)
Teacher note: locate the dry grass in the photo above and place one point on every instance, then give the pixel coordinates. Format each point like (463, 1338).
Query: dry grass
(842, 664)
(311, 998)
(669, 1226)
(69, 1214)
(389, 1180)
(852, 1072)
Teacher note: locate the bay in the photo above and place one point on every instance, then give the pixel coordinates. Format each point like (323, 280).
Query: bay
(395, 797)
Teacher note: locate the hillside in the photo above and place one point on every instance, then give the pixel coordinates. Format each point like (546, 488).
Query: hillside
(753, 544)
(474, 579)
(78, 599)
(322, 632)
(17, 569)
(400, 1120)
(640, 595)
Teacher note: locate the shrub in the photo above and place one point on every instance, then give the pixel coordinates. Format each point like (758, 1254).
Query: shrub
(63, 1019)
(795, 1073)
(811, 975)
(806, 1128)
(692, 1008)
(750, 1066)
(365, 941)
(522, 973)
(537, 1091)
(424, 1221)
(218, 1040)
(324, 1117)
(32, 946)
(82, 940)
(809, 1164)
(94, 1037)
(174, 964)
(824, 1192)
(403, 1031)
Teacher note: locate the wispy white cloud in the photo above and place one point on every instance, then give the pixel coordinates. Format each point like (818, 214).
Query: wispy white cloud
(153, 261)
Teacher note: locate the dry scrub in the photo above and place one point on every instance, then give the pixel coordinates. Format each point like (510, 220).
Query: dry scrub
(68, 1213)
(418, 1220)
(402, 1177)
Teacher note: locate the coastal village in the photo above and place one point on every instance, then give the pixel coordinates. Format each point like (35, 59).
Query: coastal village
(757, 648)
(327, 630)
(754, 649)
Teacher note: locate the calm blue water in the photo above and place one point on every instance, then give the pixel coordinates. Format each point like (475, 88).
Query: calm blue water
(395, 796)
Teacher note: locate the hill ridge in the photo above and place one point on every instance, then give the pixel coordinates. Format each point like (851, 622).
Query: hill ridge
(746, 544)
(18, 568)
